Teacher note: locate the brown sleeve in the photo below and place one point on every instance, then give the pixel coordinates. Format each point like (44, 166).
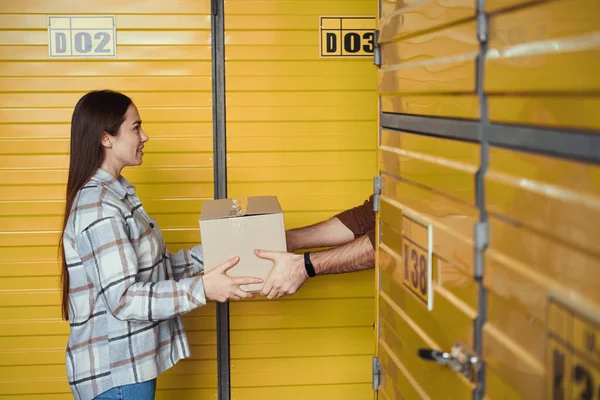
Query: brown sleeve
(360, 220)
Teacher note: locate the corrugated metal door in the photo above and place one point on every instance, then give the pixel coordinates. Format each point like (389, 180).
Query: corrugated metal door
(301, 128)
(542, 336)
(503, 211)
(164, 63)
(429, 157)
(298, 127)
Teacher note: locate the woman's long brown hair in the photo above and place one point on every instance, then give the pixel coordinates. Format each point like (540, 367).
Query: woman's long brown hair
(96, 114)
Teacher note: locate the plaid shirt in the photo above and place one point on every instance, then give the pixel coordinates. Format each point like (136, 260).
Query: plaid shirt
(126, 291)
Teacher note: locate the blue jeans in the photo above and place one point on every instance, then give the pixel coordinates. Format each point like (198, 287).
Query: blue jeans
(136, 391)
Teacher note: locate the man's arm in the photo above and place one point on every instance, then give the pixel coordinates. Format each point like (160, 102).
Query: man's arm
(353, 229)
(324, 234)
(341, 229)
(355, 256)
(289, 273)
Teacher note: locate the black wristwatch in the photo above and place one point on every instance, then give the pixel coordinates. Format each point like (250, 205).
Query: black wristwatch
(310, 270)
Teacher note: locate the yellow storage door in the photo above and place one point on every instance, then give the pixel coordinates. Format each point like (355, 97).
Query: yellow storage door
(163, 63)
(300, 127)
(542, 63)
(543, 199)
(429, 156)
(490, 248)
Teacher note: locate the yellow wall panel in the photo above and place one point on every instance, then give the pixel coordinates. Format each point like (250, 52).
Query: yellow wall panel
(531, 50)
(133, 53)
(125, 37)
(466, 107)
(316, 392)
(541, 271)
(126, 21)
(201, 130)
(402, 18)
(499, 5)
(82, 68)
(455, 42)
(574, 112)
(164, 64)
(301, 128)
(555, 196)
(442, 61)
(444, 165)
(310, 67)
(430, 73)
(274, 8)
(397, 383)
(401, 336)
(428, 203)
(109, 6)
(330, 113)
(298, 83)
(299, 99)
(273, 22)
(83, 84)
(406, 323)
(271, 53)
(505, 358)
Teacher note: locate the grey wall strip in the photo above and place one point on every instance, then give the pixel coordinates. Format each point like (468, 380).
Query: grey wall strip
(218, 96)
(576, 145)
(444, 127)
(220, 178)
(481, 229)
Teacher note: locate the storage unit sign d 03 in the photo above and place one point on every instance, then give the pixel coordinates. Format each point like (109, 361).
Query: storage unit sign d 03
(82, 37)
(347, 36)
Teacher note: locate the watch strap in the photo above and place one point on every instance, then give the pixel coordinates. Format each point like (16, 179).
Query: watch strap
(310, 270)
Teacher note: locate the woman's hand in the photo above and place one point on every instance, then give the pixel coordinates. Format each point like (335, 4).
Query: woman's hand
(220, 287)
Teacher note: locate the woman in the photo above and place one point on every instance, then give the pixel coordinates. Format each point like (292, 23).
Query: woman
(123, 292)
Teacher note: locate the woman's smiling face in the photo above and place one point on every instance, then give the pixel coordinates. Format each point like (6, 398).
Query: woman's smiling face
(125, 149)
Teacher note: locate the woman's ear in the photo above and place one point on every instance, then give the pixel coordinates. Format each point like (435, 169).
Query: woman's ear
(106, 141)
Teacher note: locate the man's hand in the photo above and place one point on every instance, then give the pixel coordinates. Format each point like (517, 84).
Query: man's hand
(286, 277)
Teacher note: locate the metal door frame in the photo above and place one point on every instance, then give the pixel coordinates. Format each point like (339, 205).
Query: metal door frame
(220, 180)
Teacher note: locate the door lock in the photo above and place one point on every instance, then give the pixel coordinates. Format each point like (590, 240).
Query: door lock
(460, 358)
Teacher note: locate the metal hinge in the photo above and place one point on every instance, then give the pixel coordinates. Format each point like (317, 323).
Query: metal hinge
(214, 4)
(376, 368)
(460, 359)
(481, 235)
(376, 49)
(480, 243)
(482, 27)
(377, 187)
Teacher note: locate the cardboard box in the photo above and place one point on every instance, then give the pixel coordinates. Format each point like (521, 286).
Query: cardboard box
(236, 227)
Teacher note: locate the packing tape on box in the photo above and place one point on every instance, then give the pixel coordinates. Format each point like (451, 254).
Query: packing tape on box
(239, 207)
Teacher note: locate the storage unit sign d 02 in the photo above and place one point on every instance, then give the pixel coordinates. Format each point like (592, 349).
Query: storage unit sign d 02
(82, 37)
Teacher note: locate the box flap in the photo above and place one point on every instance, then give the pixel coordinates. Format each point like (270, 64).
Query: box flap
(230, 208)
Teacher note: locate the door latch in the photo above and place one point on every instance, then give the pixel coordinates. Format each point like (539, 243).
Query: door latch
(376, 49)
(377, 188)
(460, 359)
(376, 369)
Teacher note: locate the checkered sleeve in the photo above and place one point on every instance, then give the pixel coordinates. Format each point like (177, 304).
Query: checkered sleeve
(187, 262)
(111, 263)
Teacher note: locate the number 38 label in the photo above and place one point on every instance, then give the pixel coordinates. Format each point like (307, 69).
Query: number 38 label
(417, 246)
(415, 268)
